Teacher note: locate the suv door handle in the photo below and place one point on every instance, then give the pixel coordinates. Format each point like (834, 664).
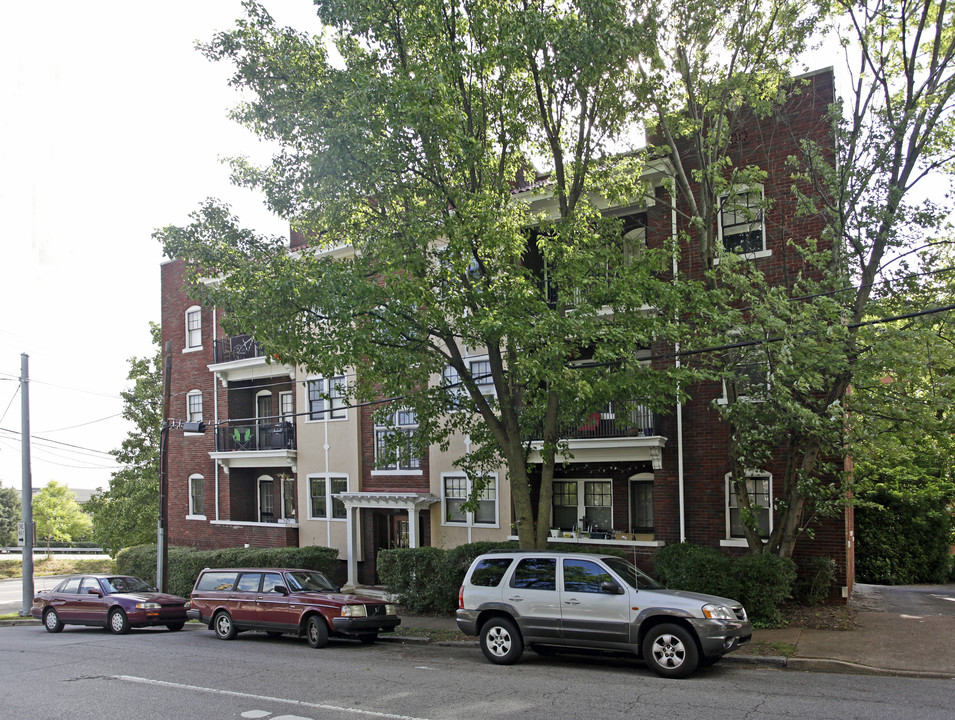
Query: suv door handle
(571, 602)
(515, 598)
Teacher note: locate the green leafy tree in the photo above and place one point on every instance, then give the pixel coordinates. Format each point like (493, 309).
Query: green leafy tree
(10, 514)
(58, 516)
(893, 131)
(125, 514)
(406, 146)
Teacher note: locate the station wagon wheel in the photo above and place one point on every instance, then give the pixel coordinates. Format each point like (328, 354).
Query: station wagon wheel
(223, 626)
(117, 622)
(670, 651)
(174, 626)
(52, 622)
(316, 631)
(501, 641)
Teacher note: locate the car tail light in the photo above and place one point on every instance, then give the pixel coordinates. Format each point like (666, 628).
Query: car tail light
(461, 598)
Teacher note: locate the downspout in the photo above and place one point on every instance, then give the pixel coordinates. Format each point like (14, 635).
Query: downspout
(328, 485)
(679, 405)
(215, 404)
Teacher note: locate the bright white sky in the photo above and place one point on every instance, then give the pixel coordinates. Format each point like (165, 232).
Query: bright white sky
(112, 125)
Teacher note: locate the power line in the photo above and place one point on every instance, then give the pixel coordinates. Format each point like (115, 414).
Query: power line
(55, 442)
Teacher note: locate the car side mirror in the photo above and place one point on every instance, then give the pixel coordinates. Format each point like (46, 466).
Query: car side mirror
(611, 588)
(280, 589)
(97, 593)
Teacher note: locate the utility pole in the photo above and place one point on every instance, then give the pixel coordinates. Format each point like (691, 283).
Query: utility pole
(162, 544)
(27, 485)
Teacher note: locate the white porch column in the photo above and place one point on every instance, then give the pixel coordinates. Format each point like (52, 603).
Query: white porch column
(353, 544)
(413, 525)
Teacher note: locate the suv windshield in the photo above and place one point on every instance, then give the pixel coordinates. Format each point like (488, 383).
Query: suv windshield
(309, 581)
(125, 585)
(632, 575)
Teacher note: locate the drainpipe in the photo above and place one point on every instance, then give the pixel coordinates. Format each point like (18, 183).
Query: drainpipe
(679, 405)
(215, 405)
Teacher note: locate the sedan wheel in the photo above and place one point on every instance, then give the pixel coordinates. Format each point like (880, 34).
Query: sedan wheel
(118, 622)
(670, 651)
(52, 622)
(316, 632)
(174, 626)
(224, 627)
(501, 641)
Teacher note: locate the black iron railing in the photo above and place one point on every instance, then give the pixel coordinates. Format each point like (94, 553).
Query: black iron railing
(237, 347)
(270, 433)
(619, 419)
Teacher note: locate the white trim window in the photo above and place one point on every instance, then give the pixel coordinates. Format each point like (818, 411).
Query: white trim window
(451, 380)
(759, 487)
(287, 406)
(583, 505)
(322, 490)
(197, 498)
(326, 398)
(455, 490)
(480, 369)
(400, 458)
(287, 483)
(741, 222)
(194, 406)
(193, 319)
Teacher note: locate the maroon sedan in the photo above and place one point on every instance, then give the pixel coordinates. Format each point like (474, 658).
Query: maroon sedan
(116, 602)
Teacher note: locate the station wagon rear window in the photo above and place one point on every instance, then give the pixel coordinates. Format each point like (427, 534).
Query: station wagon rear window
(490, 572)
(216, 581)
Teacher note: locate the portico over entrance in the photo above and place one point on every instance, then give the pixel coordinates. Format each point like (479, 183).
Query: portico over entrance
(412, 503)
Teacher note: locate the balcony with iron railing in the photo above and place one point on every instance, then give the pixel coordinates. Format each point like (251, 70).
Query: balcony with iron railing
(239, 358)
(624, 430)
(255, 434)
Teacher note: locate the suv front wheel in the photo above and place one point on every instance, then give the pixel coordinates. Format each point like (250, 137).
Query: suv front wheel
(670, 651)
(501, 641)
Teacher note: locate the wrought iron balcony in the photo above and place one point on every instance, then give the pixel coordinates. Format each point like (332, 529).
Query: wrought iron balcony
(267, 433)
(619, 419)
(237, 347)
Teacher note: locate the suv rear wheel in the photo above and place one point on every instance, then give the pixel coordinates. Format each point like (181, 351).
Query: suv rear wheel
(501, 641)
(670, 650)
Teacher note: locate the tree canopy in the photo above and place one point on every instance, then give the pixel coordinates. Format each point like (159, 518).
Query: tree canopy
(58, 516)
(406, 155)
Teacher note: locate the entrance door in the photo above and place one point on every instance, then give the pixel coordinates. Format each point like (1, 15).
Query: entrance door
(390, 531)
(266, 500)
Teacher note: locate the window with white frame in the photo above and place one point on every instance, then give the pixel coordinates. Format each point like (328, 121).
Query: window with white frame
(197, 496)
(326, 399)
(455, 491)
(288, 497)
(583, 504)
(481, 374)
(194, 328)
(741, 222)
(287, 406)
(394, 449)
(322, 490)
(194, 406)
(749, 372)
(759, 487)
(266, 499)
(451, 380)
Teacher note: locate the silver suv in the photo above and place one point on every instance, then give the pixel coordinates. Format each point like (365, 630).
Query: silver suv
(548, 600)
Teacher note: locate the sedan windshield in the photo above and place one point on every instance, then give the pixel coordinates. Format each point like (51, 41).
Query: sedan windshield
(309, 581)
(632, 575)
(125, 584)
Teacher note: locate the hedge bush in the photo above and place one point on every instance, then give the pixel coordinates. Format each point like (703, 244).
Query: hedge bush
(759, 582)
(815, 579)
(185, 564)
(697, 568)
(905, 538)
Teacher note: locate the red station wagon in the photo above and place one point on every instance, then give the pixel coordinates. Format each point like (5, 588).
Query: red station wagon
(280, 601)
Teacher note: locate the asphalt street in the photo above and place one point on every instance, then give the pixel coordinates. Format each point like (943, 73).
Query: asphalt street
(89, 673)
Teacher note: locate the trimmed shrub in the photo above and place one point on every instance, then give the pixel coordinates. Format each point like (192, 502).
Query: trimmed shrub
(697, 568)
(905, 538)
(421, 579)
(814, 581)
(763, 582)
(185, 564)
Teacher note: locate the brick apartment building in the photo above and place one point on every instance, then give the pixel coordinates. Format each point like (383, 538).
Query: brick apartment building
(288, 464)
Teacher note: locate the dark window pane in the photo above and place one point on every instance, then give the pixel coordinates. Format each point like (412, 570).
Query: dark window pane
(536, 574)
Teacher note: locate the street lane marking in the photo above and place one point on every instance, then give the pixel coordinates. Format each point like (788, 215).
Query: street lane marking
(266, 698)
